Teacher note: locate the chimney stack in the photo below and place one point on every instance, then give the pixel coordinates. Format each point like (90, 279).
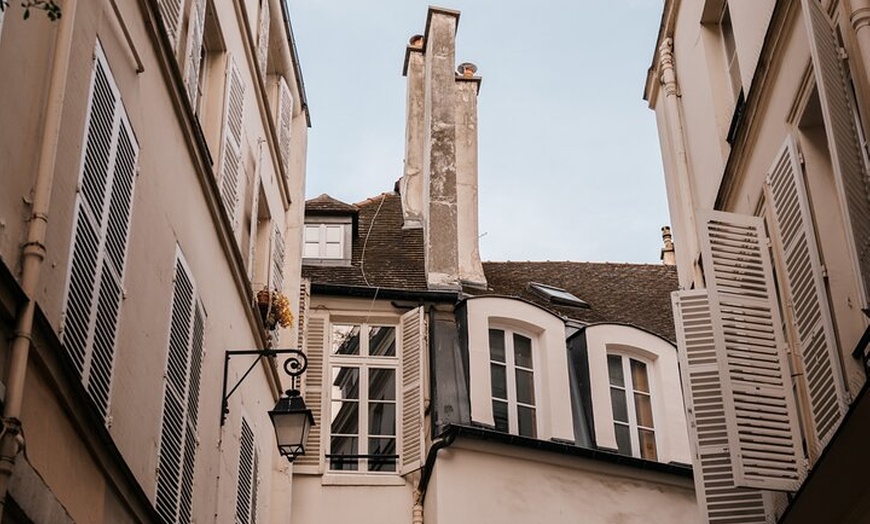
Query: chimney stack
(668, 256)
(411, 183)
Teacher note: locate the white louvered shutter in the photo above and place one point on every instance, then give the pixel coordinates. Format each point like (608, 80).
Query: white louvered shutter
(99, 239)
(839, 116)
(302, 316)
(178, 436)
(246, 488)
(412, 326)
(231, 158)
(807, 298)
(263, 37)
(276, 275)
(193, 56)
(719, 500)
(763, 433)
(315, 348)
(285, 122)
(170, 11)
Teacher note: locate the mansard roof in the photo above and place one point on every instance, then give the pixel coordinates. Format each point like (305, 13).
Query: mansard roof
(636, 294)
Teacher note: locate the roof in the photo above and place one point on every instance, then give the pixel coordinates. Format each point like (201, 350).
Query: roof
(384, 254)
(636, 294)
(326, 205)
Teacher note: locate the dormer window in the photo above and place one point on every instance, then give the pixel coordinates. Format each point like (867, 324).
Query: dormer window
(557, 295)
(327, 242)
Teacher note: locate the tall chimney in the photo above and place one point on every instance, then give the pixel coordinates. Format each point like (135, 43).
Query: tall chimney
(467, 88)
(411, 184)
(439, 153)
(668, 256)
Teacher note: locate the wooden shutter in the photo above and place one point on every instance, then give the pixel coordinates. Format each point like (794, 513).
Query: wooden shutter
(412, 326)
(232, 143)
(285, 122)
(807, 298)
(170, 11)
(276, 275)
(246, 487)
(178, 436)
(315, 347)
(302, 316)
(835, 94)
(194, 51)
(263, 37)
(719, 500)
(100, 235)
(763, 433)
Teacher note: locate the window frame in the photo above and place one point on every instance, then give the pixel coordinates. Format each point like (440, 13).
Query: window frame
(364, 362)
(345, 243)
(630, 389)
(511, 372)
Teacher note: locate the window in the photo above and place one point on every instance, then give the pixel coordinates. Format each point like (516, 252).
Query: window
(327, 241)
(557, 295)
(246, 490)
(632, 407)
(513, 382)
(99, 238)
(364, 364)
(729, 46)
(178, 439)
(231, 156)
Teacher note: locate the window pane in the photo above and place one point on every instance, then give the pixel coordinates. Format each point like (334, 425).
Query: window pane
(623, 439)
(639, 378)
(500, 414)
(620, 410)
(343, 446)
(382, 341)
(312, 234)
(526, 421)
(525, 387)
(382, 448)
(643, 409)
(522, 351)
(333, 234)
(647, 441)
(382, 418)
(345, 383)
(312, 250)
(499, 381)
(382, 384)
(614, 367)
(496, 345)
(333, 251)
(345, 418)
(345, 339)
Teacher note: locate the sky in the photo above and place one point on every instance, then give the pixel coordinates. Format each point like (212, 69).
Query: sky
(569, 161)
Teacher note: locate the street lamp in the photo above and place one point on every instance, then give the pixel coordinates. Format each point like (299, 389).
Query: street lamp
(290, 417)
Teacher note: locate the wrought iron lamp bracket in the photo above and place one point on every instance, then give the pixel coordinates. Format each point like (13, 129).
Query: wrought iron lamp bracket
(295, 364)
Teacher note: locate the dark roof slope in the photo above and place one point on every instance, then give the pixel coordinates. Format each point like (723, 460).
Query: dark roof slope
(637, 294)
(384, 255)
(326, 205)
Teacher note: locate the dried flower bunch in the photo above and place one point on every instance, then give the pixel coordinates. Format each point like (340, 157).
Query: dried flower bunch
(274, 308)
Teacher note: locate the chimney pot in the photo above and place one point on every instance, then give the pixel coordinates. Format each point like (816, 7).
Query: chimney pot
(466, 69)
(416, 41)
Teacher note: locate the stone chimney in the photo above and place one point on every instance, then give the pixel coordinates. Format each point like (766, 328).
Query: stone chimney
(668, 256)
(439, 184)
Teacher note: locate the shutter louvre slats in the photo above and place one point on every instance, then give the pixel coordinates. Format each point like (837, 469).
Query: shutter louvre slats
(232, 142)
(285, 122)
(412, 326)
(245, 496)
(193, 56)
(170, 10)
(263, 37)
(315, 346)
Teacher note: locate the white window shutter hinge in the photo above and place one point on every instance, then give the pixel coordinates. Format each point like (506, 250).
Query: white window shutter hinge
(801, 158)
(109, 421)
(824, 269)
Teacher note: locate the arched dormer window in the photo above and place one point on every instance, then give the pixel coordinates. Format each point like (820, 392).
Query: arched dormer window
(631, 400)
(512, 373)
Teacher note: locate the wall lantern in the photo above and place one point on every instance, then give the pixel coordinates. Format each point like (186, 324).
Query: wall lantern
(290, 417)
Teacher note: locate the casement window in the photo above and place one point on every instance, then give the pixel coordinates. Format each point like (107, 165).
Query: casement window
(194, 53)
(170, 11)
(327, 241)
(737, 385)
(178, 436)
(729, 47)
(370, 376)
(248, 484)
(99, 236)
(263, 37)
(231, 156)
(284, 123)
(632, 403)
(512, 378)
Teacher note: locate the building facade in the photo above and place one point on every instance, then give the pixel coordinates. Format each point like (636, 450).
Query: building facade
(447, 389)
(152, 160)
(762, 111)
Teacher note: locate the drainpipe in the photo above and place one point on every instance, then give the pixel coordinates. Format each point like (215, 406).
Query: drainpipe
(33, 252)
(678, 143)
(438, 444)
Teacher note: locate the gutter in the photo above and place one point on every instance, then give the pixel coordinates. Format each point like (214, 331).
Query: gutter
(294, 58)
(341, 290)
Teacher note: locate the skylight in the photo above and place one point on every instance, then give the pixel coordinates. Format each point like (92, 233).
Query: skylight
(557, 295)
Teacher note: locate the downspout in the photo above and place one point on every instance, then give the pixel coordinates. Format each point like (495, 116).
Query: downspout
(684, 182)
(438, 444)
(33, 252)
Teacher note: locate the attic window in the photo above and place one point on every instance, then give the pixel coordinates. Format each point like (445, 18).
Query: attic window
(557, 295)
(327, 241)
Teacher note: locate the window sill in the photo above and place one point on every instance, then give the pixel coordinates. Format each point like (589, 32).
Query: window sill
(361, 479)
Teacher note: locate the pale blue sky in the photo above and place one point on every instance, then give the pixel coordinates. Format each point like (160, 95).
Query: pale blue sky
(570, 167)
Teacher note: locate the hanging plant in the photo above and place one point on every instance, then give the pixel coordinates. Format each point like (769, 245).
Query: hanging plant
(274, 309)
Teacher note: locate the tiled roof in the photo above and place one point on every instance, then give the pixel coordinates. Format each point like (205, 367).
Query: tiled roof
(637, 294)
(384, 255)
(325, 204)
